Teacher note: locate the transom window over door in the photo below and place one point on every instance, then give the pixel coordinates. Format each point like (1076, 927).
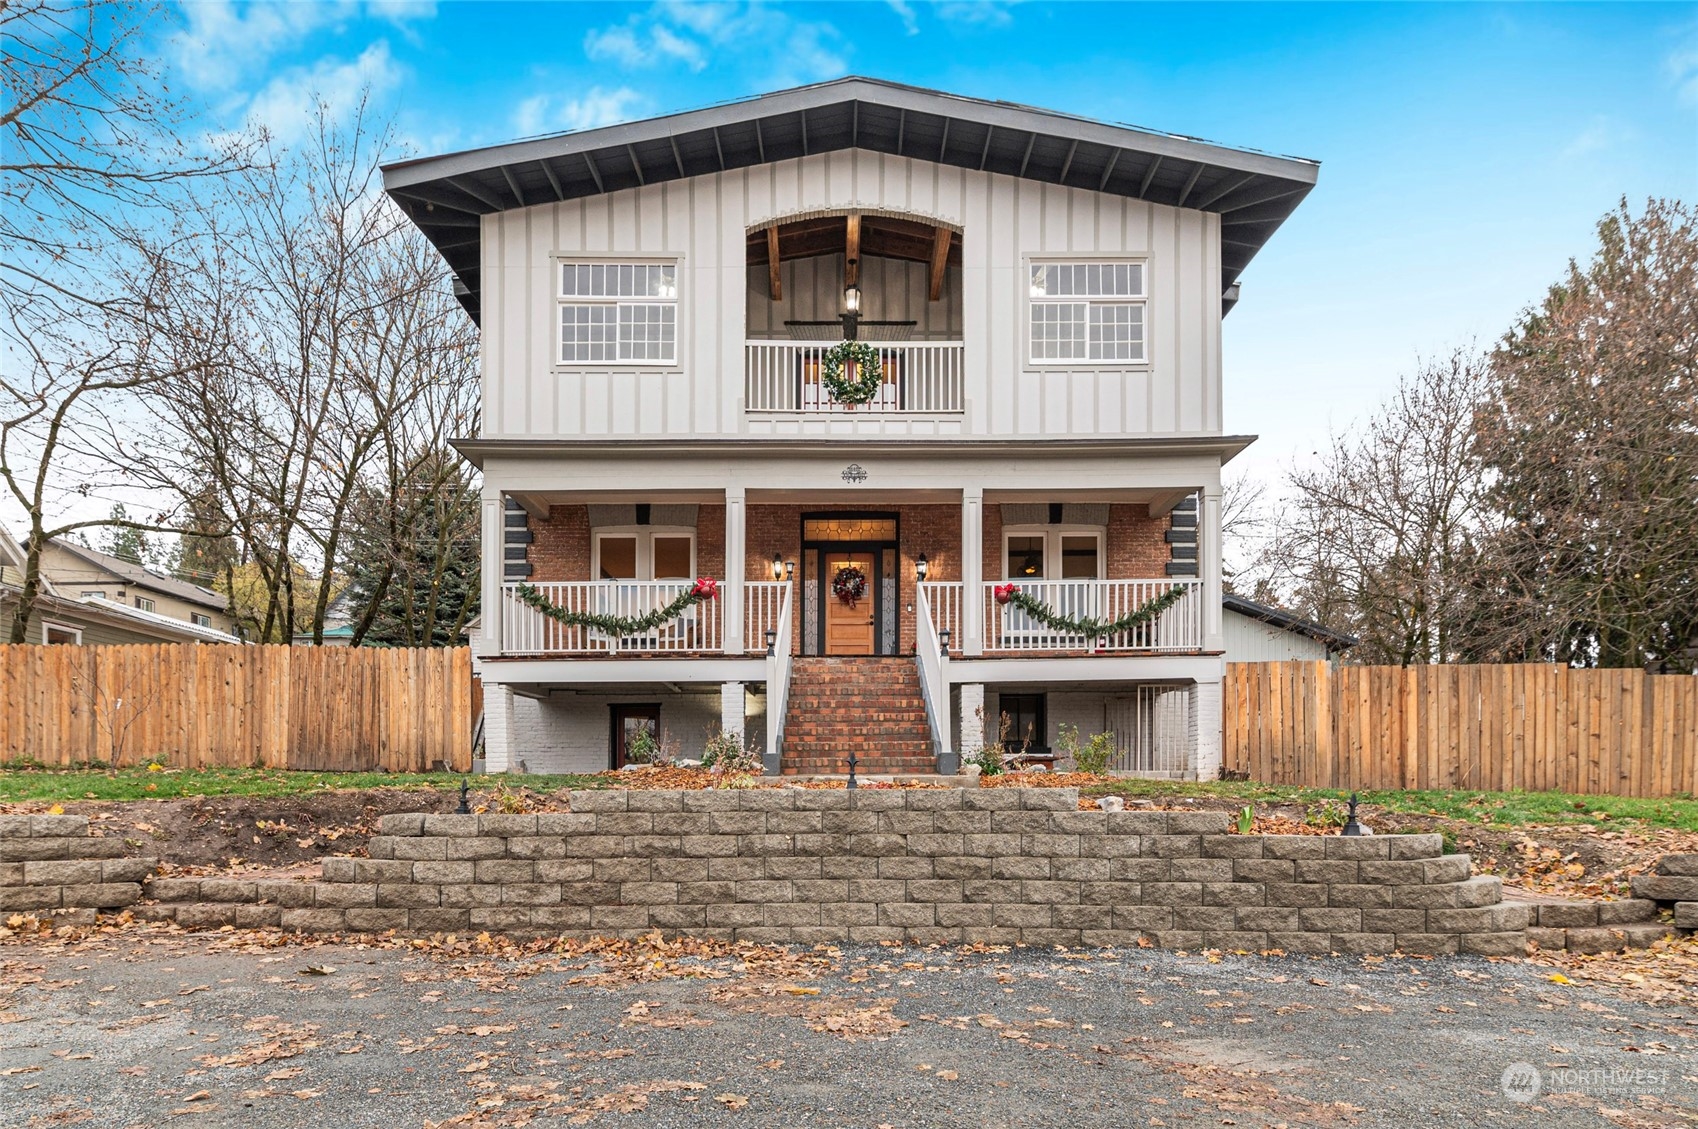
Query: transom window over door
(1087, 313)
(619, 313)
(645, 554)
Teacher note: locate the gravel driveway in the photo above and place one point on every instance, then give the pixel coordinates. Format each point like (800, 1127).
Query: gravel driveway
(144, 1030)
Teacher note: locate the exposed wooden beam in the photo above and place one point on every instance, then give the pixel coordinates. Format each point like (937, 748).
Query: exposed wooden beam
(719, 148)
(940, 260)
(1108, 169)
(635, 164)
(1222, 193)
(1027, 159)
(1068, 163)
(760, 141)
(595, 173)
(804, 116)
(1149, 175)
(476, 192)
(1190, 183)
(901, 130)
(677, 157)
(773, 266)
(1278, 193)
(513, 184)
(553, 180)
(943, 146)
(990, 131)
(852, 251)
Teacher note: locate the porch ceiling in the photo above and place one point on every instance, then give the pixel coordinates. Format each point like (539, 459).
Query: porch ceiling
(1254, 193)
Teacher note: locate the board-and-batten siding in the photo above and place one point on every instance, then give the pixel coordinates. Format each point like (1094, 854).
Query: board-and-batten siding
(703, 222)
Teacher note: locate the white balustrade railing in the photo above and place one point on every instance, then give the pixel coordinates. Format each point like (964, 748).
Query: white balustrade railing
(933, 662)
(764, 602)
(778, 688)
(1179, 628)
(527, 631)
(916, 377)
(943, 597)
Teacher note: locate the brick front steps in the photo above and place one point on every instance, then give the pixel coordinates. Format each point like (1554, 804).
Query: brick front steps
(1675, 886)
(870, 705)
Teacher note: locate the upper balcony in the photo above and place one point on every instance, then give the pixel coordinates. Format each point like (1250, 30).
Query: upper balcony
(890, 282)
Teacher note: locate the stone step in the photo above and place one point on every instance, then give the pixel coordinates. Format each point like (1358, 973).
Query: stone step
(1599, 939)
(872, 707)
(1686, 915)
(1685, 866)
(1666, 887)
(1566, 914)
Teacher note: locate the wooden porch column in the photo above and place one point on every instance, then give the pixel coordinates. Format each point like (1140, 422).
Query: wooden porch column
(972, 570)
(736, 569)
(494, 550)
(1209, 551)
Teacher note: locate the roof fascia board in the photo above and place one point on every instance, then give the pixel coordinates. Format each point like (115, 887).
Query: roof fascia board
(476, 450)
(996, 114)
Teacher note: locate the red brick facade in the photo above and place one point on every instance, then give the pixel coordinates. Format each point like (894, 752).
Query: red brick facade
(560, 546)
(1136, 550)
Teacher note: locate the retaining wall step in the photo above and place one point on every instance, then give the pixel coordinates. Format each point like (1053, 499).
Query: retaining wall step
(1682, 865)
(1666, 887)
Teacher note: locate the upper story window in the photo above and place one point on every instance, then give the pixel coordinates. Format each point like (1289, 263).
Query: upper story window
(1087, 312)
(144, 603)
(200, 620)
(619, 313)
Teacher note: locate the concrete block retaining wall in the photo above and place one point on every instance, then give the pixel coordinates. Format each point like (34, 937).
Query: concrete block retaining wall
(949, 865)
(50, 866)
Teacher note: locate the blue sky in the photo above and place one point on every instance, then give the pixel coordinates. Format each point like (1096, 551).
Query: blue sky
(1467, 150)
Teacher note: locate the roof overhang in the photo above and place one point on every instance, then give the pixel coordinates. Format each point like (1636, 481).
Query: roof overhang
(1253, 192)
(1335, 641)
(477, 451)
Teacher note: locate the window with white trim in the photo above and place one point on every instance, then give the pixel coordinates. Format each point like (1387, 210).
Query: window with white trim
(59, 633)
(1087, 312)
(619, 313)
(144, 603)
(645, 554)
(200, 620)
(1051, 553)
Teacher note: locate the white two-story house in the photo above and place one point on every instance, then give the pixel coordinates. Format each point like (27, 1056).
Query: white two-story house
(662, 304)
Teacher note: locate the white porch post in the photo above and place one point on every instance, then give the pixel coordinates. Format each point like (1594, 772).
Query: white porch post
(731, 708)
(972, 583)
(494, 542)
(498, 736)
(1210, 553)
(736, 523)
(972, 719)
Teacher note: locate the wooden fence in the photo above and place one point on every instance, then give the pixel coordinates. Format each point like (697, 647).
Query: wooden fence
(327, 709)
(1493, 728)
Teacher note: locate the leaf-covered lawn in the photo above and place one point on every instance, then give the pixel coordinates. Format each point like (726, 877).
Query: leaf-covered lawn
(61, 785)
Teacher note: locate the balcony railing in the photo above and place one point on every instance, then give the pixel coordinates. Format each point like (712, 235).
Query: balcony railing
(918, 377)
(1179, 628)
(699, 629)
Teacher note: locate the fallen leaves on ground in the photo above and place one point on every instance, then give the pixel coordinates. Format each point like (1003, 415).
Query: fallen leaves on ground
(1667, 972)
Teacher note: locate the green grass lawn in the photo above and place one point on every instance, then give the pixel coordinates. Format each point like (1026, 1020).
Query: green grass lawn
(67, 785)
(1499, 809)
(1496, 809)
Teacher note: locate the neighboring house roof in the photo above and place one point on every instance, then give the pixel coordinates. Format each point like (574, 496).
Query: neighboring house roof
(1253, 192)
(142, 576)
(155, 621)
(1287, 621)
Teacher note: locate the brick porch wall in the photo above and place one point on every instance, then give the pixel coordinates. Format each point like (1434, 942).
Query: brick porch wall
(560, 546)
(1137, 543)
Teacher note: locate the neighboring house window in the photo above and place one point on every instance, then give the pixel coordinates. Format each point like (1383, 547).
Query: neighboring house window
(94, 595)
(622, 313)
(645, 554)
(144, 603)
(1053, 554)
(1089, 312)
(59, 633)
(200, 620)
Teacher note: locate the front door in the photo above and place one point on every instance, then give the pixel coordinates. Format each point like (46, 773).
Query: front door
(851, 609)
(633, 725)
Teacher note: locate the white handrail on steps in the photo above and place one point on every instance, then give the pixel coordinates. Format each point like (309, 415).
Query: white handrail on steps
(933, 661)
(778, 687)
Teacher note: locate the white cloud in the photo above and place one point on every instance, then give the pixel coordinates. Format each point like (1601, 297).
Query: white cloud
(548, 113)
(905, 12)
(284, 106)
(977, 13)
(1682, 68)
(223, 42)
(1599, 134)
(695, 35)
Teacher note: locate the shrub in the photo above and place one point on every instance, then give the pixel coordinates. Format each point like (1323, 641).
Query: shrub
(1094, 757)
(1327, 813)
(727, 753)
(1067, 747)
(642, 748)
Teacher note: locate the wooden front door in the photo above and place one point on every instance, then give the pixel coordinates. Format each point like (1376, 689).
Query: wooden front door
(850, 629)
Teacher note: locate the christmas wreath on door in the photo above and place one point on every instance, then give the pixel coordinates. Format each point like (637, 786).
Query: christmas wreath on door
(849, 584)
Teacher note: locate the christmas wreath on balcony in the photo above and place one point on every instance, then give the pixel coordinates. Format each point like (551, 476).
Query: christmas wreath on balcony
(849, 585)
(834, 364)
(1087, 626)
(619, 626)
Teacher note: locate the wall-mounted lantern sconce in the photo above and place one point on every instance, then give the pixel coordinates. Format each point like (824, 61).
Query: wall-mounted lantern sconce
(851, 299)
(777, 567)
(943, 640)
(790, 570)
(921, 567)
(771, 641)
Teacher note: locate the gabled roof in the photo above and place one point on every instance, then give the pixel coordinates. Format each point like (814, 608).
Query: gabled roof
(141, 576)
(1253, 192)
(1287, 621)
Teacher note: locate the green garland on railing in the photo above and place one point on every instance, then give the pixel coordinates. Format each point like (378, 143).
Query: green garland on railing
(619, 626)
(1089, 627)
